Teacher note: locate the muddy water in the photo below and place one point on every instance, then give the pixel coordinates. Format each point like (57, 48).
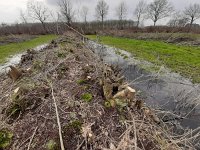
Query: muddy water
(161, 89)
(14, 60)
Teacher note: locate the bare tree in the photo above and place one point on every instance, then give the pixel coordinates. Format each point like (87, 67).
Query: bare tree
(178, 20)
(192, 13)
(102, 10)
(159, 9)
(23, 17)
(55, 19)
(121, 11)
(84, 13)
(38, 11)
(57, 23)
(67, 11)
(140, 11)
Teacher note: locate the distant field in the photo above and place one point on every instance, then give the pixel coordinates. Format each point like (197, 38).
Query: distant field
(8, 39)
(168, 37)
(14, 48)
(182, 59)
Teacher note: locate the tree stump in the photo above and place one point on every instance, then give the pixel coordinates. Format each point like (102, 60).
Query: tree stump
(14, 73)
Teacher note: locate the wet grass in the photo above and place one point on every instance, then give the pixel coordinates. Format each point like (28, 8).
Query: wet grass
(14, 48)
(181, 59)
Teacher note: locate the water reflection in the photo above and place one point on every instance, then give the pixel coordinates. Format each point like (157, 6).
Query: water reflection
(14, 60)
(162, 89)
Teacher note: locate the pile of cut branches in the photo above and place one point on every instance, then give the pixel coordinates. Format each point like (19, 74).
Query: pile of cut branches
(64, 97)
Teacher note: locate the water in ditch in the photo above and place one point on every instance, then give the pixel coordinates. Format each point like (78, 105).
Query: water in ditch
(15, 59)
(161, 89)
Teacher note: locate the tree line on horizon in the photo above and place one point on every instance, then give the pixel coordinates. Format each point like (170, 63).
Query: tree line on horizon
(156, 10)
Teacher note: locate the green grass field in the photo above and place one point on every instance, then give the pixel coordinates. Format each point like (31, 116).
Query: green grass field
(14, 48)
(182, 59)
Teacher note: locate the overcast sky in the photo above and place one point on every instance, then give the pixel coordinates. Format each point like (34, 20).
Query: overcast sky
(9, 9)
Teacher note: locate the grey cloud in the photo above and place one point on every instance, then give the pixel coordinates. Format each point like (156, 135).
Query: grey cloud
(178, 4)
(11, 16)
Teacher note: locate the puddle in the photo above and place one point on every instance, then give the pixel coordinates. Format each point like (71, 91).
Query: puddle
(15, 59)
(162, 89)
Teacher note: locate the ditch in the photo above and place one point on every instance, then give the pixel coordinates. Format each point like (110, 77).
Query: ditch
(161, 89)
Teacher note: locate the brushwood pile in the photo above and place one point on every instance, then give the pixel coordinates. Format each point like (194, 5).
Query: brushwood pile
(66, 87)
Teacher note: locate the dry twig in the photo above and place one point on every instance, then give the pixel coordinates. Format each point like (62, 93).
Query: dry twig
(29, 145)
(58, 119)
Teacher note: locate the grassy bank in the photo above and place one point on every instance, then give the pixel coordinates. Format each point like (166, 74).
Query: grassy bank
(14, 48)
(182, 59)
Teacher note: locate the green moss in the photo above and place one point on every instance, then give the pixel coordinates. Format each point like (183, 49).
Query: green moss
(182, 59)
(121, 103)
(75, 125)
(52, 145)
(14, 48)
(61, 54)
(110, 103)
(107, 104)
(5, 138)
(87, 97)
(81, 81)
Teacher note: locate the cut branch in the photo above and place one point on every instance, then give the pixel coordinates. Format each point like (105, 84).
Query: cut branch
(58, 119)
